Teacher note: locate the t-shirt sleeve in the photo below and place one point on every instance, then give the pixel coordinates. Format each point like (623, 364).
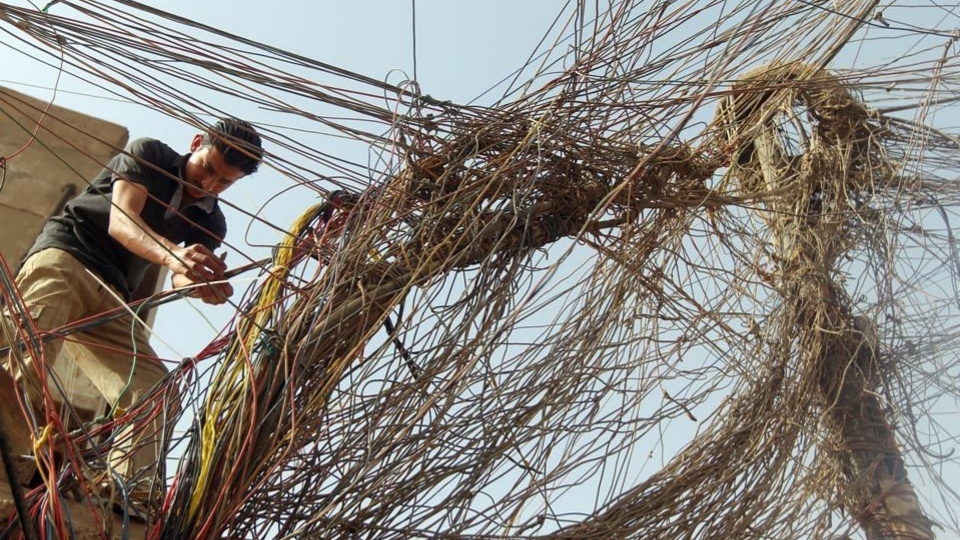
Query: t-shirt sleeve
(138, 162)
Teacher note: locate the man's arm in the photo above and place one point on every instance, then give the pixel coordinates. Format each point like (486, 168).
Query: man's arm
(195, 263)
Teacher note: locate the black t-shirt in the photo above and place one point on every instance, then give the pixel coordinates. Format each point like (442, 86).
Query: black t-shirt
(82, 227)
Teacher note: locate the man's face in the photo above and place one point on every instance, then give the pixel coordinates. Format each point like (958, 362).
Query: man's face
(207, 172)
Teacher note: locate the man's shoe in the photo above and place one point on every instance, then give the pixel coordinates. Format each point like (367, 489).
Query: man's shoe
(138, 505)
(25, 471)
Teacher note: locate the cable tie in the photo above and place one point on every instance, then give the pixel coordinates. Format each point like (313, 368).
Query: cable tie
(44, 437)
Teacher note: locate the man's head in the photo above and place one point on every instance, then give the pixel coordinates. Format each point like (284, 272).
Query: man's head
(225, 153)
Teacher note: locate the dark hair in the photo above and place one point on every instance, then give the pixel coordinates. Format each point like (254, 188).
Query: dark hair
(238, 143)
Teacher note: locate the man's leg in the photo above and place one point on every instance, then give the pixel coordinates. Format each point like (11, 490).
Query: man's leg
(123, 378)
(119, 361)
(15, 430)
(49, 290)
(14, 425)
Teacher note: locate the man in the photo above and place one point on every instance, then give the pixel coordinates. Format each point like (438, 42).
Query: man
(149, 206)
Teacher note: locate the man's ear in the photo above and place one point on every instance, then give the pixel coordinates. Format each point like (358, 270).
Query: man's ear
(196, 142)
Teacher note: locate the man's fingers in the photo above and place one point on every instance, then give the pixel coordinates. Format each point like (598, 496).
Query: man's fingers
(204, 264)
(212, 263)
(214, 293)
(222, 291)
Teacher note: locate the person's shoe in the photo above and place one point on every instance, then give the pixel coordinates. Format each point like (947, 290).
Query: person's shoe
(138, 505)
(141, 511)
(25, 471)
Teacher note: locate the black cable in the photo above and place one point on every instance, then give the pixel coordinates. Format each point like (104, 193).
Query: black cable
(26, 526)
(414, 24)
(401, 348)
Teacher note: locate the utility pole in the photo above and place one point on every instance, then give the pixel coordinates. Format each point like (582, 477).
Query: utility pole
(814, 204)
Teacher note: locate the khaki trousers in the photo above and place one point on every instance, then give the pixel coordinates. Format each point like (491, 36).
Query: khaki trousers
(57, 289)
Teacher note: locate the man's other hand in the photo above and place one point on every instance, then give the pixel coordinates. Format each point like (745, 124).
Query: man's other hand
(211, 293)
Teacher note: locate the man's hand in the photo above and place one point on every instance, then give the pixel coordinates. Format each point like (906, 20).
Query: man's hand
(210, 293)
(196, 262)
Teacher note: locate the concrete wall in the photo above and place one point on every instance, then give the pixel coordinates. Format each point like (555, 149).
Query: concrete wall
(69, 149)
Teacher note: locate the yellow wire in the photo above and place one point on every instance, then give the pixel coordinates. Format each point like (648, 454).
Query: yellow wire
(40, 441)
(229, 387)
